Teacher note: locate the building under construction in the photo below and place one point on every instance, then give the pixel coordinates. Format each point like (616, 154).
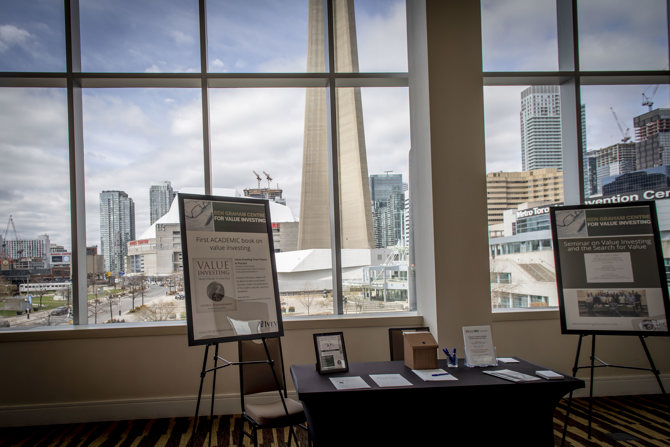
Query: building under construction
(272, 194)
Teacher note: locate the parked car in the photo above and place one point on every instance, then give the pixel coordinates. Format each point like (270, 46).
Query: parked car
(63, 310)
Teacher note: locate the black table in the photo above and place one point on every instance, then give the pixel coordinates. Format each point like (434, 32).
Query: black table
(477, 409)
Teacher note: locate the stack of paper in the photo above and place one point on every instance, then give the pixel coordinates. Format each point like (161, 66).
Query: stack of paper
(547, 374)
(513, 376)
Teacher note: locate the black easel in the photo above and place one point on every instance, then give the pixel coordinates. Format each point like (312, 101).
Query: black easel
(602, 364)
(216, 367)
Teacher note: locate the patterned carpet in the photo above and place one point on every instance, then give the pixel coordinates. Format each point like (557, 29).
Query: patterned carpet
(169, 432)
(616, 421)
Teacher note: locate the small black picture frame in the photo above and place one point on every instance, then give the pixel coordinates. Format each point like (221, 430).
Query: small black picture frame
(331, 354)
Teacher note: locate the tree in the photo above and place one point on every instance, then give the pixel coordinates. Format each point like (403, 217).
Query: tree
(40, 292)
(6, 287)
(159, 311)
(93, 306)
(136, 286)
(308, 300)
(110, 299)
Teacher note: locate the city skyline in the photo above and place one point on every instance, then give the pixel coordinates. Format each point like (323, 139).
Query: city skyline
(137, 136)
(132, 135)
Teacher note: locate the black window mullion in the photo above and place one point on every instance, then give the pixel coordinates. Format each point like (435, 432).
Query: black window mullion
(204, 87)
(76, 161)
(333, 158)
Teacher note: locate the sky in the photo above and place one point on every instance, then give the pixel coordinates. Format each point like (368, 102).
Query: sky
(135, 137)
(520, 35)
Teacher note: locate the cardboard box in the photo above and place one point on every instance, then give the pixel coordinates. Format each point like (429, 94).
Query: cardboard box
(420, 350)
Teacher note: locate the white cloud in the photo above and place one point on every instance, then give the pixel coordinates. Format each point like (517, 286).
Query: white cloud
(519, 35)
(502, 106)
(387, 136)
(11, 35)
(382, 39)
(34, 186)
(217, 65)
(153, 69)
(180, 37)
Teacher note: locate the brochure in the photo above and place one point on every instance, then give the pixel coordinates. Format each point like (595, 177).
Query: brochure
(512, 376)
(479, 350)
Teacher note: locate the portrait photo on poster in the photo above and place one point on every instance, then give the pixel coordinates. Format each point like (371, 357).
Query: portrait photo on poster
(230, 274)
(610, 271)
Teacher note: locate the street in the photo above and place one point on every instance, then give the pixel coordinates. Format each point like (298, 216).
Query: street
(100, 312)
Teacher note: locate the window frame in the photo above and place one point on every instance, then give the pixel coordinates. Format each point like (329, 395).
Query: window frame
(570, 78)
(75, 81)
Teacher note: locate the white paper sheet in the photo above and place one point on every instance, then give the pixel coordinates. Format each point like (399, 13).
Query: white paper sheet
(384, 380)
(433, 374)
(349, 383)
(507, 360)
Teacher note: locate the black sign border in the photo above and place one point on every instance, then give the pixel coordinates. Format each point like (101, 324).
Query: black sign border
(192, 341)
(649, 206)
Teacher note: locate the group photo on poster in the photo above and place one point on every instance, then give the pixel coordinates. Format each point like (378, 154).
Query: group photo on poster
(609, 269)
(229, 273)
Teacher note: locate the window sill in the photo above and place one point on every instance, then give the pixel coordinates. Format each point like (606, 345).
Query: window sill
(526, 315)
(169, 328)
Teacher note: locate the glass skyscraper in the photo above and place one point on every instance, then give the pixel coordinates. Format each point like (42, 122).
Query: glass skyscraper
(541, 145)
(117, 228)
(160, 198)
(652, 132)
(388, 209)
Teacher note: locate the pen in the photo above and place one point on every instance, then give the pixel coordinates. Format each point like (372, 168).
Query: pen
(446, 351)
(440, 374)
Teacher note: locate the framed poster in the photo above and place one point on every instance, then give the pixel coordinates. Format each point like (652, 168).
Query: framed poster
(609, 269)
(230, 276)
(331, 355)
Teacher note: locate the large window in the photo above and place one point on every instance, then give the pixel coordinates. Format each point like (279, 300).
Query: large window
(109, 114)
(576, 110)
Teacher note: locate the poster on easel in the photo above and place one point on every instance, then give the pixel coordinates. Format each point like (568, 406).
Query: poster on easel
(609, 269)
(230, 276)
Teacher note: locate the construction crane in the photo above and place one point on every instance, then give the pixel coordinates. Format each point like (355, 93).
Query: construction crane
(258, 177)
(19, 252)
(625, 134)
(648, 100)
(268, 177)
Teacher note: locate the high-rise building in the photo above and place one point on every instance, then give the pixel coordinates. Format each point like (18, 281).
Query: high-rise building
(541, 145)
(651, 179)
(612, 160)
(117, 228)
(387, 194)
(29, 253)
(652, 132)
(356, 221)
(161, 196)
(506, 190)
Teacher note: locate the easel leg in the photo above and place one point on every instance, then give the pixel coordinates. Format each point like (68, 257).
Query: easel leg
(211, 411)
(593, 358)
(574, 374)
(654, 370)
(651, 364)
(197, 405)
